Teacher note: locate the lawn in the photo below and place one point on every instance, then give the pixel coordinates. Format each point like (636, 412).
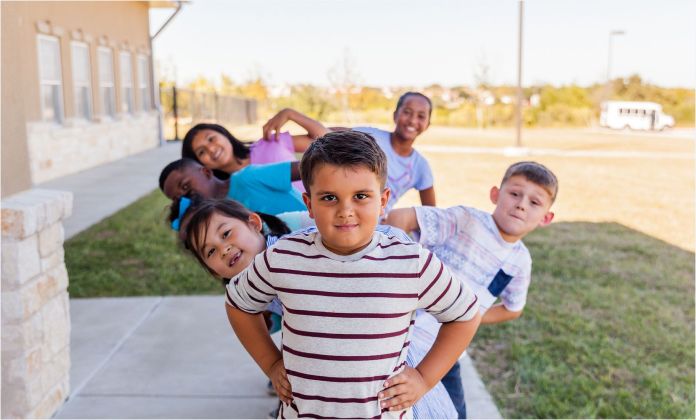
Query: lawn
(608, 330)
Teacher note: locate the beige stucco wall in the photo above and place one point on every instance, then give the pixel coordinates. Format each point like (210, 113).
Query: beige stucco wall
(119, 25)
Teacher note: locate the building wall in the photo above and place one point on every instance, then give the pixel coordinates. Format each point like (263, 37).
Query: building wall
(34, 150)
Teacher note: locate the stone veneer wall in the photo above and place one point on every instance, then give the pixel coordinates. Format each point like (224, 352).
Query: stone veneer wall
(35, 306)
(57, 150)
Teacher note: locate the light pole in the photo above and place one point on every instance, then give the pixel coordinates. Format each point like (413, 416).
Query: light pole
(518, 143)
(607, 88)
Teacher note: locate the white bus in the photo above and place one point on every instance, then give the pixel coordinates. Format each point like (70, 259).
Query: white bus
(634, 115)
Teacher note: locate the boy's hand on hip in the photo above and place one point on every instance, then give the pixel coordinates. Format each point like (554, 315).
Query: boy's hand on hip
(279, 379)
(403, 390)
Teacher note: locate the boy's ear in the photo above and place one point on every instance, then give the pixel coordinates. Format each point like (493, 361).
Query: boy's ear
(548, 217)
(495, 193)
(384, 199)
(207, 172)
(308, 202)
(256, 222)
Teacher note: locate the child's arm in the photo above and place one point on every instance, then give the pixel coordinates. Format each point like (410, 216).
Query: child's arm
(427, 196)
(301, 142)
(253, 334)
(499, 313)
(404, 219)
(406, 388)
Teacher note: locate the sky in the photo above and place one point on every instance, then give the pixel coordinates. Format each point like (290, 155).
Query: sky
(419, 43)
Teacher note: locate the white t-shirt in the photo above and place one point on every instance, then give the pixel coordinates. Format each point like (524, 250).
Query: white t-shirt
(403, 172)
(468, 241)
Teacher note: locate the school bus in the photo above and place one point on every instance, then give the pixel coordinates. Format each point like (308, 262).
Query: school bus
(634, 115)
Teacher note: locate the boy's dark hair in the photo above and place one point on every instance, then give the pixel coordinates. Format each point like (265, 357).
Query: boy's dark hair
(199, 213)
(177, 165)
(239, 148)
(405, 96)
(343, 148)
(536, 173)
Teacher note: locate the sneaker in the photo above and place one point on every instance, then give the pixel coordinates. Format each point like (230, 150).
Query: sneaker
(273, 414)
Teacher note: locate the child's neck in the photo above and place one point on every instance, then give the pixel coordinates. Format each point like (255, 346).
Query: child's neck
(401, 146)
(236, 164)
(222, 187)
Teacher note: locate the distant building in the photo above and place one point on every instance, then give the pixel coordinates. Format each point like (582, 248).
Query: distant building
(77, 87)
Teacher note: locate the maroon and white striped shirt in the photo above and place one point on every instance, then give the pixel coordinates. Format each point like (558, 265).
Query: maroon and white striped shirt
(347, 318)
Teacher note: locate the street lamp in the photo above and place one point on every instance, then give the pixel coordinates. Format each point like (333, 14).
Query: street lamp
(518, 127)
(607, 89)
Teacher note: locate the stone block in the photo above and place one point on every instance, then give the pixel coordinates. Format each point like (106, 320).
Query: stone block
(20, 305)
(54, 202)
(18, 220)
(51, 238)
(52, 402)
(53, 282)
(12, 309)
(17, 338)
(54, 260)
(56, 323)
(20, 261)
(15, 403)
(56, 369)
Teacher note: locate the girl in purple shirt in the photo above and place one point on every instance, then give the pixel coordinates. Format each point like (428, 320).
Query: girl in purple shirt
(214, 147)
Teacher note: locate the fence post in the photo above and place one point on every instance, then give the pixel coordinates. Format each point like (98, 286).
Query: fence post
(217, 110)
(176, 114)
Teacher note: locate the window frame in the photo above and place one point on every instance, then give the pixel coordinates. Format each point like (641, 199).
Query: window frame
(58, 114)
(78, 85)
(144, 82)
(111, 111)
(127, 89)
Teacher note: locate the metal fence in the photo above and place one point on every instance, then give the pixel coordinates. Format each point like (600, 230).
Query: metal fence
(183, 108)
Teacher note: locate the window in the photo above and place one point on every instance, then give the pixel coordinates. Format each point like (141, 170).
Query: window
(82, 80)
(126, 82)
(106, 81)
(143, 86)
(50, 80)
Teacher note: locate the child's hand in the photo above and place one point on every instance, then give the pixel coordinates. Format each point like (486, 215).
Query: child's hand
(403, 390)
(273, 126)
(279, 379)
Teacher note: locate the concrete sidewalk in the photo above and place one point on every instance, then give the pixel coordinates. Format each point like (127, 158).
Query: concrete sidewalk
(176, 357)
(102, 191)
(165, 357)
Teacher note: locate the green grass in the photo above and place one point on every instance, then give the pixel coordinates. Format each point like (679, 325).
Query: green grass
(134, 253)
(608, 330)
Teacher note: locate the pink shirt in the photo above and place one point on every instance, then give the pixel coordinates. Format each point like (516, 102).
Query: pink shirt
(273, 151)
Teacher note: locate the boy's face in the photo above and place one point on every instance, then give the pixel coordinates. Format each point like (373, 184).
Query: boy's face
(521, 206)
(193, 178)
(345, 203)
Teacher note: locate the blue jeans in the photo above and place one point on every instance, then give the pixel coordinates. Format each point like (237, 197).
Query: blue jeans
(453, 384)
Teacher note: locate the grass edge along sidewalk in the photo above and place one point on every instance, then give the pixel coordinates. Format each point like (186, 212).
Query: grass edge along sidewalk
(608, 330)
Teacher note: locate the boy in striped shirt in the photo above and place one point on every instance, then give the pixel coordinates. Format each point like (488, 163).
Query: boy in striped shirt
(349, 296)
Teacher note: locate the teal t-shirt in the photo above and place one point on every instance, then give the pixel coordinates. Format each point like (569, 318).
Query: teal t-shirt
(266, 189)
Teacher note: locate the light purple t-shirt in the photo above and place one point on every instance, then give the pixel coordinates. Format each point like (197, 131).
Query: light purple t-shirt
(403, 172)
(272, 151)
(468, 241)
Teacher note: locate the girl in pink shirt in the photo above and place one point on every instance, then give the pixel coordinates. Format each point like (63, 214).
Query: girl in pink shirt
(214, 147)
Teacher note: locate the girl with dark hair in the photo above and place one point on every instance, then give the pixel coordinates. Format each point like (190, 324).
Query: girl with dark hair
(214, 147)
(406, 167)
